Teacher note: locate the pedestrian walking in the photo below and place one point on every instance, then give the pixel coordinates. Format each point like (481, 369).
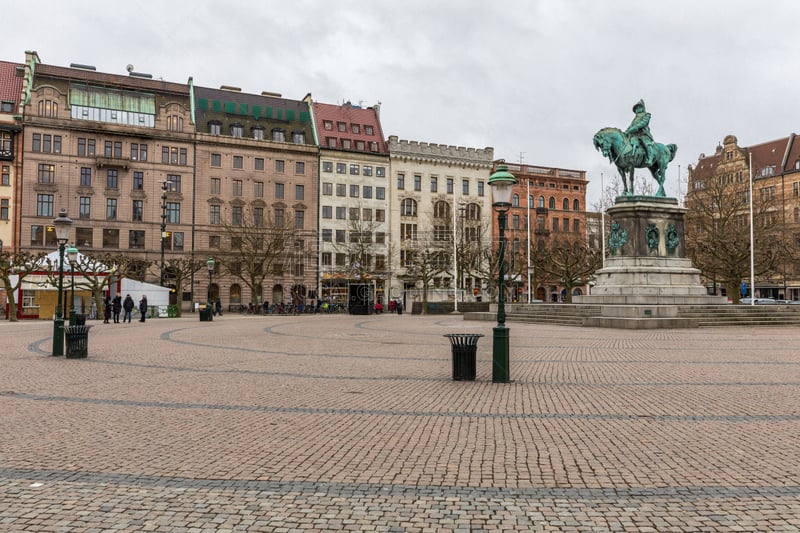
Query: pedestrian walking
(116, 307)
(218, 307)
(127, 305)
(106, 309)
(143, 307)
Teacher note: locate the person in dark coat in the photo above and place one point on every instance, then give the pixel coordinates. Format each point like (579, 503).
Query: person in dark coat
(127, 305)
(106, 309)
(218, 307)
(116, 307)
(143, 308)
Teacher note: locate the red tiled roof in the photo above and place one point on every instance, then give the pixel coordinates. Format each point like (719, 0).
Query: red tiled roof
(351, 116)
(769, 154)
(793, 159)
(10, 83)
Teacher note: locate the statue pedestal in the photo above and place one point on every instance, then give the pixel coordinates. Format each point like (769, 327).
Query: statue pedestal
(648, 274)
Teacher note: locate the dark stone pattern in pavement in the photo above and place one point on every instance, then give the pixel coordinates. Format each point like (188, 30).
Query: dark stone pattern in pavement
(343, 423)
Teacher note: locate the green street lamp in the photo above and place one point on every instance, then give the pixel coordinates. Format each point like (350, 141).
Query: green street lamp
(502, 183)
(62, 225)
(210, 264)
(72, 255)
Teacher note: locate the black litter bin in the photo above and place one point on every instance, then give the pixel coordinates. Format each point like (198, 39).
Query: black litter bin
(77, 341)
(80, 319)
(205, 314)
(465, 348)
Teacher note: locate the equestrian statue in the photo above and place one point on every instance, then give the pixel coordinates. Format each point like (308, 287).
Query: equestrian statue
(634, 148)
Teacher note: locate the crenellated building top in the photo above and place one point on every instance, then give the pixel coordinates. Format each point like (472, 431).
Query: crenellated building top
(438, 153)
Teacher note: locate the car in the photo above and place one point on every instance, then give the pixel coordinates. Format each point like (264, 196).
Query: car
(758, 301)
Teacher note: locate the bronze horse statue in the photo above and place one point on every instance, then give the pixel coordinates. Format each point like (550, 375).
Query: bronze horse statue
(628, 154)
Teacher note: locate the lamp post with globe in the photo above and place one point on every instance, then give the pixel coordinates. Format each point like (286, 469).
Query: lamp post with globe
(62, 225)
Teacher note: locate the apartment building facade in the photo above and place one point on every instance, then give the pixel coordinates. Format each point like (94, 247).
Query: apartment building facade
(547, 204)
(11, 77)
(438, 193)
(354, 226)
(775, 169)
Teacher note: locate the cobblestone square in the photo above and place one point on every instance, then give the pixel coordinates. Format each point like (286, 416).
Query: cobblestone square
(340, 423)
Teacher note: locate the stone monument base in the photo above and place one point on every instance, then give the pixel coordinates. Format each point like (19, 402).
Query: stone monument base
(642, 285)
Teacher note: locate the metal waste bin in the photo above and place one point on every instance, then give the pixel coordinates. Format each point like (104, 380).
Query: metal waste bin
(80, 319)
(465, 348)
(77, 341)
(205, 314)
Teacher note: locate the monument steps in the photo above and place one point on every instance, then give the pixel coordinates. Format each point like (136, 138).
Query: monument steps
(578, 315)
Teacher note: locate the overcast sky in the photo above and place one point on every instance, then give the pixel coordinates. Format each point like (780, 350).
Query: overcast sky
(533, 79)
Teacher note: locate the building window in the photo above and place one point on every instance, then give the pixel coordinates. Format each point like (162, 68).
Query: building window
(576, 205)
(565, 204)
(341, 213)
(327, 189)
(258, 189)
(47, 173)
(480, 188)
(515, 200)
(214, 215)
(340, 235)
(216, 186)
(138, 210)
(341, 168)
(44, 205)
(110, 238)
(328, 125)
(299, 192)
(434, 184)
(576, 225)
(441, 209)
(214, 241)
(48, 108)
(279, 187)
(238, 162)
(216, 160)
(380, 193)
(299, 219)
(279, 135)
(367, 192)
(236, 215)
(341, 126)
(215, 128)
(354, 170)
(408, 207)
(136, 239)
(40, 236)
(355, 213)
(85, 207)
(327, 211)
(366, 170)
(327, 166)
(326, 259)
(417, 182)
(279, 165)
(341, 189)
(177, 241)
(298, 137)
(327, 235)
(4, 208)
(449, 185)
(280, 217)
(380, 172)
(111, 209)
(552, 203)
(464, 186)
(354, 189)
(380, 215)
(173, 212)
(174, 182)
(5, 178)
(86, 177)
(408, 232)
(401, 181)
(258, 217)
(237, 187)
(84, 237)
(112, 179)
(299, 168)
(258, 163)
(138, 181)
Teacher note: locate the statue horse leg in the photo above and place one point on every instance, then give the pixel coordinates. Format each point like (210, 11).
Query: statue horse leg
(624, 175)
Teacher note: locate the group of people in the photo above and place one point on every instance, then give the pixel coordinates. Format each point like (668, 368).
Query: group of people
(113, 308)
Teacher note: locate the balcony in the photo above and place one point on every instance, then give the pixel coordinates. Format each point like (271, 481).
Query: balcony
(541, 231)
(113, 162)
(541, 210)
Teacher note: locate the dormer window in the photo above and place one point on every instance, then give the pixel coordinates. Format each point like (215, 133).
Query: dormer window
(215, 127)
(298, 137)
(279, 135)
(258, 133)
(237, 130)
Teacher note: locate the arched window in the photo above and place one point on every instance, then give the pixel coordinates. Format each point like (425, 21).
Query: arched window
(441, 209)
(552, 203)
(473, 212)
(515, 200)
(530, 201)
(565, 204)
(576, 205)
(541, 202)
(408, 207)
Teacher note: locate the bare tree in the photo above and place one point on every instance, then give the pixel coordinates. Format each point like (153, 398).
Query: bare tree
(19, 264)
(569, 261)
(718, 233)
(179, 271)
(426, 257)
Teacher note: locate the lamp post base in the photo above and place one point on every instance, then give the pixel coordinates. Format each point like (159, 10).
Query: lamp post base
(58, 337)
(500, 364)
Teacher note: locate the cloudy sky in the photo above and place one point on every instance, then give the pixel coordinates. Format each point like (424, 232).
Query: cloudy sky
(533, 79)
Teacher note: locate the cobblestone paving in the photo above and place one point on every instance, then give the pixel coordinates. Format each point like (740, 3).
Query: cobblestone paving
(337, 423)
